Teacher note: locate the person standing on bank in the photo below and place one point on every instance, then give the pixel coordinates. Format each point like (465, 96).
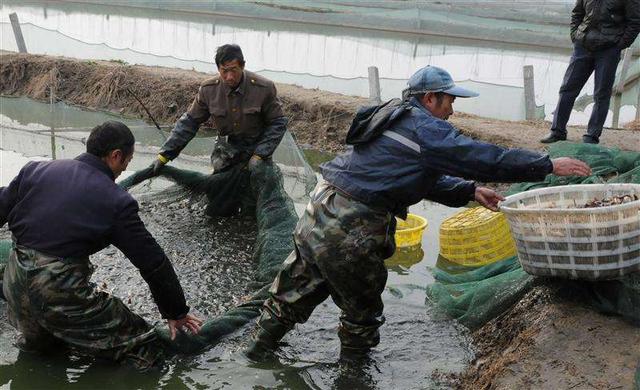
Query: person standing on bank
(59, 213)
(244, 107)
(600, 30)
(403, 152)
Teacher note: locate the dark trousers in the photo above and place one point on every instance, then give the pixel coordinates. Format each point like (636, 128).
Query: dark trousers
(51, 301)
(602, 64)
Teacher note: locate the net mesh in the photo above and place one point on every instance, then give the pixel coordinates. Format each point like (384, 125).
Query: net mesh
(275, 217)
(265, 192)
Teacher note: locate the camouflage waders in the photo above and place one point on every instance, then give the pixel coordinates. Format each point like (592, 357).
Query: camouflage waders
(51, 300)
(340, 247)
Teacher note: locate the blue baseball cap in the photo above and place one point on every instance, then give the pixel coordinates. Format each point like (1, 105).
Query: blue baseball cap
(434, 79)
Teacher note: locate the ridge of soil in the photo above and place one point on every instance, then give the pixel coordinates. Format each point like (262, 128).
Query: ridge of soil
(318, 119)
(549, 342)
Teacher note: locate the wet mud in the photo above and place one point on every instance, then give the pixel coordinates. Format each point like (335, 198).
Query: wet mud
(635, 125)
(549, 340)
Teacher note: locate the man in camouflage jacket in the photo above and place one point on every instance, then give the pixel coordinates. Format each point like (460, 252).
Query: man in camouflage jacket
(244, 107)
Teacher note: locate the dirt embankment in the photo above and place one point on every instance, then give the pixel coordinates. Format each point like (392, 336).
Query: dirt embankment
(317, 119)
(547, 341)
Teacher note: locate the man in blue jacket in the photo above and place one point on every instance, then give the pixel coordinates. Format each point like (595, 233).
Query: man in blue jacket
(61, 212)
(403, 152)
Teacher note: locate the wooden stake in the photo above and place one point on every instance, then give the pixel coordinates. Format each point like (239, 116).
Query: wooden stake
(374, 85)
(17, 32)
(529, 93)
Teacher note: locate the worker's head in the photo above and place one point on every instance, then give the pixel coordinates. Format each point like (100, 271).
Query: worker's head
(113, 143)
(435, 90)
(230, 63)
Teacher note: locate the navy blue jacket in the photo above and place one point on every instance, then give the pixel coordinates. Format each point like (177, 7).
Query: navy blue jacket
(73, 208)
(422, 157)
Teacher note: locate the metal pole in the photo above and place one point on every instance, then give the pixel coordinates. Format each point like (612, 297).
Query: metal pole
(374, 85)
(53, 134)
(638, 104)
(619, 89)
(529, 93)
(17, 32)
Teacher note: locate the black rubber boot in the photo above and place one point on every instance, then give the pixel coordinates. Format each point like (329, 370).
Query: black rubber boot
(553, 137)
(264, 341)
(351, 354)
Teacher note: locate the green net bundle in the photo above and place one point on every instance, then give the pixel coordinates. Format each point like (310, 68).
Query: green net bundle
(260, 192)
(474, 296)
(609, 165)
(276, 219)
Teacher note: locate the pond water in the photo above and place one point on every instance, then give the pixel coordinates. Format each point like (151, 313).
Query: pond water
(416, 340)
(313, 56)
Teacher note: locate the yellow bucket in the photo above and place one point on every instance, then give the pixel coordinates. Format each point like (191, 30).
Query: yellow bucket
(409, 232)
(476, 237)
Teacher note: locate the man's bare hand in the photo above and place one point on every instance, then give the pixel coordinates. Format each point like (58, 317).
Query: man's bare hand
(488, 198)
(566, 166)
(190, 322)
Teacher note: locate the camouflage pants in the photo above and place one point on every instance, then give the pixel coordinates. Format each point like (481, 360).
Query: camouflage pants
(50, 300)
(340, 247)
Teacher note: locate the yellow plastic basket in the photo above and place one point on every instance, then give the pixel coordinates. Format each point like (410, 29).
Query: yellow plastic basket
(409, 232)
(475, 237)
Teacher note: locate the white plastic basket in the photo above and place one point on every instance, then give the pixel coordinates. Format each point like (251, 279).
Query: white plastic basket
(556, 238)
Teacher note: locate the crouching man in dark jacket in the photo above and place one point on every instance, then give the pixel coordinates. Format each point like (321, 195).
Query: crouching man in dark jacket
(403, 152)
(600, 29)
(60, 212)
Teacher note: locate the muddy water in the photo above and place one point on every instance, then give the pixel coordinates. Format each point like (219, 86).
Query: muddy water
(213, 259)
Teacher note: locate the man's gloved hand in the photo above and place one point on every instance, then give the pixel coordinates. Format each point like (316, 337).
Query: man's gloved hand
(157, 165)
(254, 162)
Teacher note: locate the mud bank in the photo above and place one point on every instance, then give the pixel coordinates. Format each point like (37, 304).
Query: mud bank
(318, 119)
(549, 341)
